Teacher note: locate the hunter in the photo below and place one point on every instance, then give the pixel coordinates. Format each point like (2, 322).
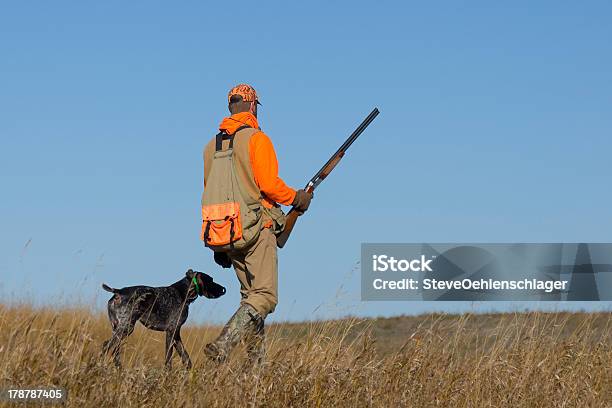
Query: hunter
(241, 217)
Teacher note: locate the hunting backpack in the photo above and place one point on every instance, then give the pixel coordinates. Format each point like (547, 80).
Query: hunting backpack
(231, 217)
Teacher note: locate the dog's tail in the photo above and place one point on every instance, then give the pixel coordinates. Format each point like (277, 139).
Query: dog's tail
(109, 289)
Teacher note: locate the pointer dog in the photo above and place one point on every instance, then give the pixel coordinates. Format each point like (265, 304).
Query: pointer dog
(162, 309)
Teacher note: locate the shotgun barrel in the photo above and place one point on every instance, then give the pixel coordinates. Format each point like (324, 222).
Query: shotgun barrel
(331, 163)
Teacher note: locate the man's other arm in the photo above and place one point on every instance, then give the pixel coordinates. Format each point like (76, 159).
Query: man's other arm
(265, 170)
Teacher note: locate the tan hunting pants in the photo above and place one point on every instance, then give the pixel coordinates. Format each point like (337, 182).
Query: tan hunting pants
(257, 270)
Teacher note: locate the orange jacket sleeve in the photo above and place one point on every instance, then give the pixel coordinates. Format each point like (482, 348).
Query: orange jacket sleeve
(265, 170)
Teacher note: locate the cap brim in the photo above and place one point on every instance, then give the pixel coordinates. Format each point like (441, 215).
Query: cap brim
(259, 103)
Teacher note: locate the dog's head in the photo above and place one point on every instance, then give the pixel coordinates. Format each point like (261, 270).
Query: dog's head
(203, 285)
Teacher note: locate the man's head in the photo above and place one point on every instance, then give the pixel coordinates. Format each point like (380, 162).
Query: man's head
(242, 98)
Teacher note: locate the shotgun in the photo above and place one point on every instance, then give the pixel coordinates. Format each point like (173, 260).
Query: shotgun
(281, 239)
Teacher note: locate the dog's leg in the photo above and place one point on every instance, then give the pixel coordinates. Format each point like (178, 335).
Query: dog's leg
(180, 348)
(169, 349)
(113, 345)
(110, 344)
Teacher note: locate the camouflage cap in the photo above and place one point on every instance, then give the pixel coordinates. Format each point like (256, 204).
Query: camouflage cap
(246, 91)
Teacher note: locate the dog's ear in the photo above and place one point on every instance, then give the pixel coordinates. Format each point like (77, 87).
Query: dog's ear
(189, 273)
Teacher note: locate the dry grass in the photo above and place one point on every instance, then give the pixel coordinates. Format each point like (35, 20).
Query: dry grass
(513, 360)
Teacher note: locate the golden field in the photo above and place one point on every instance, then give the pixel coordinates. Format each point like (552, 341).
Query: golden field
(492, 360)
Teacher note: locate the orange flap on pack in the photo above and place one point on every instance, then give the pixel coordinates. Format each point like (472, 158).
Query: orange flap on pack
(221, 224)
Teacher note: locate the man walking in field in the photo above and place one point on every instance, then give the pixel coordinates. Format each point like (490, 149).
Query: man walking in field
(241, 217)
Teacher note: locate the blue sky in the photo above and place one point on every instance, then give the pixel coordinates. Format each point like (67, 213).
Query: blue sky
(495, 126)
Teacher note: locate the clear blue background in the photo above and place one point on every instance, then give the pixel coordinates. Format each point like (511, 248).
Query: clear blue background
(496, 126)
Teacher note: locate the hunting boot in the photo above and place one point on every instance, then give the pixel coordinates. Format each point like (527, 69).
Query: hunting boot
(255, 345)
(243, 323)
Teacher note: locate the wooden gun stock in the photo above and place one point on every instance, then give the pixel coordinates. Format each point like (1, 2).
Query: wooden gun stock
(281, 239)
(292, 216)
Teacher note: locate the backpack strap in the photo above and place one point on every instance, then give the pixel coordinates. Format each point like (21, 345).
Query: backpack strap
(221, 136)
(207, 232)
(242, 127)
